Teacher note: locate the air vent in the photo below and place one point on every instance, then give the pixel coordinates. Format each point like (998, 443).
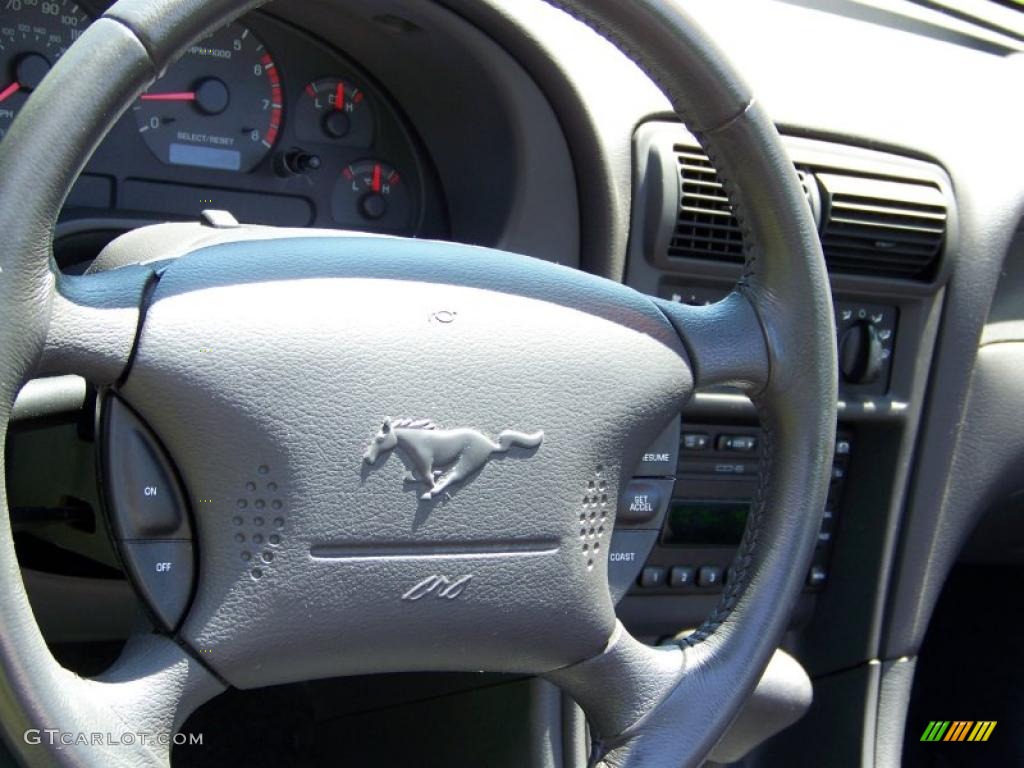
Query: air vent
(869, 226)
(882, 228)
(705, 226)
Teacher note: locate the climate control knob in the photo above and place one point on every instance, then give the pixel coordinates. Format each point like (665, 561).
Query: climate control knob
(860, 353)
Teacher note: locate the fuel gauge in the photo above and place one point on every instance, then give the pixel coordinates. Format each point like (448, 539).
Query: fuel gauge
(333, 110)
(371, 191)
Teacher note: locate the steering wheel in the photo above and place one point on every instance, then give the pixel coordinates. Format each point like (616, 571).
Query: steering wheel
(272, 356)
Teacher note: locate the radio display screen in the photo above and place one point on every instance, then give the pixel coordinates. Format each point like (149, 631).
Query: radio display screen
(706, 522)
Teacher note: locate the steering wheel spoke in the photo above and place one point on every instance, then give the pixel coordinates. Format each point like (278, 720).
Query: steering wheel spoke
(134, 709)
(622, 685)
(725, 341)
(93, 324)
(152, 688)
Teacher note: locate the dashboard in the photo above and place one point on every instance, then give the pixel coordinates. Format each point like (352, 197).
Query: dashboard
(259, 118)
(493, 123)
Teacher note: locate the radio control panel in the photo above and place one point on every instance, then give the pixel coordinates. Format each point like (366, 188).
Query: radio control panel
(678, 533)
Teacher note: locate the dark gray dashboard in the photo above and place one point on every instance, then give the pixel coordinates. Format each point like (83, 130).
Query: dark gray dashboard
(470, 145)
(303, 175)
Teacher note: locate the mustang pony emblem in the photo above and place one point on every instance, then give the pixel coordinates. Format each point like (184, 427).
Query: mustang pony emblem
(427, 448)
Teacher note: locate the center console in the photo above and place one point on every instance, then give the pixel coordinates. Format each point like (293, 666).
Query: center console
(887, 225)
(677, 533)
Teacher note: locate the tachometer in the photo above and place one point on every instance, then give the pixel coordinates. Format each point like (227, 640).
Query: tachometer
(33, 35)
(219, 106)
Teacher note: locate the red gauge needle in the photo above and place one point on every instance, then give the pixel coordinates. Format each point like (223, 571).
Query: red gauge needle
(376, 177)
(10, 90)
(179, 96)
(339, 96)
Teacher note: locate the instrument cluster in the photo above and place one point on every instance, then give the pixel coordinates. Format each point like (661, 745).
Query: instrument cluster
(259, 118)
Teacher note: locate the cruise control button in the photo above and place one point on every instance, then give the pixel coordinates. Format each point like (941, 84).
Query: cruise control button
(644, 502)
(162, 572)
(626, 556)
(709, 576)
(659, 460)
(144, 497)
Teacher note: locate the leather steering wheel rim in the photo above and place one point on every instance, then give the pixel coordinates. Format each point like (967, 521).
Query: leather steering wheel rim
(773, 338)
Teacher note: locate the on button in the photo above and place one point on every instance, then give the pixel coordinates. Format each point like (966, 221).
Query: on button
(145, 501)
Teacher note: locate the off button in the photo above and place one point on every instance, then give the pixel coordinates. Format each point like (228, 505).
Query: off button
(162, 572)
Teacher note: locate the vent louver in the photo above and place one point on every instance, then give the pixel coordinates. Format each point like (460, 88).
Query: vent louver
(883, 228)
(705, 226)
(869, 226)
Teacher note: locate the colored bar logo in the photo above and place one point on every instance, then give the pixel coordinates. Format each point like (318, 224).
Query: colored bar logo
(958, 730)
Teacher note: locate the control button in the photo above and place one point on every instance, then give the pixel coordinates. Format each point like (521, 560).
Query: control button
(659, 460)
(860, 353)
(842, 446)
(817, 576)
(681, 576)
(644, 502)
(162, 572)
(145, 500)
(696, 441)
(838, 472)
(709, 576)
(824, 537)
(828, 520)
(652, 576)
(737, 443)
(626, 556)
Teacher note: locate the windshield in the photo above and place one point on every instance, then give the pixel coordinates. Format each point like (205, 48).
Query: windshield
(1002, 16)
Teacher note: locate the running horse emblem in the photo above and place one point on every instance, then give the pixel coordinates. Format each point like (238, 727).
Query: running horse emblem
(440, 457)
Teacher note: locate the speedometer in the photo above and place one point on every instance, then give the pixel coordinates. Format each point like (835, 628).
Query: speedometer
(219, 106)
(33, 35)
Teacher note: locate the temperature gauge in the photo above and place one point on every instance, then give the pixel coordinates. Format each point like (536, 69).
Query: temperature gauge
(336, 111)
(371, 191)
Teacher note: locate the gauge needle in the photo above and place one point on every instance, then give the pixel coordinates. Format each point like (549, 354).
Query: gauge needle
(178, 96)
(339, 96)
(10, 90)
(376, 177)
